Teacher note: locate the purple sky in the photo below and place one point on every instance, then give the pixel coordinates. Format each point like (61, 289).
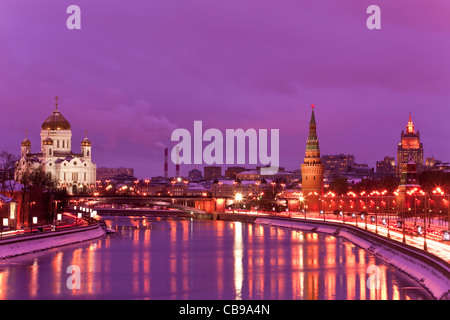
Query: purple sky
(137, 70)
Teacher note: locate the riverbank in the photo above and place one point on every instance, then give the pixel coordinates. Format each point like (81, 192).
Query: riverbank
(431, 272)
(37, 242)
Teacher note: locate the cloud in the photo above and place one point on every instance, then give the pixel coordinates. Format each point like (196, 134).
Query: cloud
(133, 125)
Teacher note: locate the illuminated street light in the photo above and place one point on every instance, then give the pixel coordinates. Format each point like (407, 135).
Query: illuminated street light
(238, 197)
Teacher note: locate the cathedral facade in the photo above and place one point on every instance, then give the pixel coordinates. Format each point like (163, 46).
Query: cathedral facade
(73, 172)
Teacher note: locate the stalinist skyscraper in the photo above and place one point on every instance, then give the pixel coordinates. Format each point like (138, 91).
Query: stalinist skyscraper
(312, 168)
(409, 146)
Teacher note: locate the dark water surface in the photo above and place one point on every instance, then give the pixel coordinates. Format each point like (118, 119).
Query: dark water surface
(183, 259)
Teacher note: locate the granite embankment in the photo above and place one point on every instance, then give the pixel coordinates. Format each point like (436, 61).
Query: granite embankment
(19, 245)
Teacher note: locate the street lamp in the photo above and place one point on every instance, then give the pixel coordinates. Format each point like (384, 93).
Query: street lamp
(388, 216)
(353, 195)
(238, 197)
(273, 188)
(302, 199)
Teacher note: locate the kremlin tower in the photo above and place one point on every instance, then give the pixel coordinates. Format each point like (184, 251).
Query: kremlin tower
(312, 169)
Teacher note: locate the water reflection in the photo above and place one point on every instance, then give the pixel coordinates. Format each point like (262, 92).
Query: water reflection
(184, 259)
(238, 249)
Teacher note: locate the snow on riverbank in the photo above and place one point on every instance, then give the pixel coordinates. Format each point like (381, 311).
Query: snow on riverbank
(29, 244)
(431, 272)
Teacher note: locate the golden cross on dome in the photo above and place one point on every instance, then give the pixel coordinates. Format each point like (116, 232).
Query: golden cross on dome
(56, 102)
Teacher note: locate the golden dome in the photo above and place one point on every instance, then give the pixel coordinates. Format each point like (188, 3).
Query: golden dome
(86, 142)
(56, 121)
(26, 142)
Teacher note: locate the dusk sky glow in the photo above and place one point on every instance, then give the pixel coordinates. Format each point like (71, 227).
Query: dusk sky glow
(137, 70)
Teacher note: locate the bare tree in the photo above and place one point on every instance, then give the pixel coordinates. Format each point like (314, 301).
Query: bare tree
(34, 177)
(8, 162)
(37, 177)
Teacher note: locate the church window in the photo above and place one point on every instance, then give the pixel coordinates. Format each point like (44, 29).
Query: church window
(88, 153)
(57, 143)
(64, 143)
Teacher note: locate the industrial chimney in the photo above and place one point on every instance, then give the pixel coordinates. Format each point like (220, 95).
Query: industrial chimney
(166, 163)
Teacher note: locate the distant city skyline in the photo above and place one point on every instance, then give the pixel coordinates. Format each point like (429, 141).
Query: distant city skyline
(131, 81)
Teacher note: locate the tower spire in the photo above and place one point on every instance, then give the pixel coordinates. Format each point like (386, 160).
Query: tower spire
(56, 102)
(312, 168)
(313, 118)
(410, 125)
(312, 142)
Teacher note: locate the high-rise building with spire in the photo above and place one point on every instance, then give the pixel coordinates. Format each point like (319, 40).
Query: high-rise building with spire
(312, 167)
(409, 145)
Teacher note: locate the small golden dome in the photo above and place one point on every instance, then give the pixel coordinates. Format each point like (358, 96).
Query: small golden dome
(48, 141)
(26, 142)
(86, 142)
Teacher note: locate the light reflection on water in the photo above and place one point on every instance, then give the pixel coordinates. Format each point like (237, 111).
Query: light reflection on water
(183, 259)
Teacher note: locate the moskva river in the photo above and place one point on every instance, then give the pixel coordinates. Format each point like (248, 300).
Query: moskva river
(175, 258)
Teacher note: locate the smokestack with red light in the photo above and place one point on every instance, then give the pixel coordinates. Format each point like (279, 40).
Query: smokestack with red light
(166, 163)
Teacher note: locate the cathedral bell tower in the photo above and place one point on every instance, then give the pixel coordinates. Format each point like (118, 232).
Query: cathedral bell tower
(26, 146)
(312, 168)
(86, 147)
